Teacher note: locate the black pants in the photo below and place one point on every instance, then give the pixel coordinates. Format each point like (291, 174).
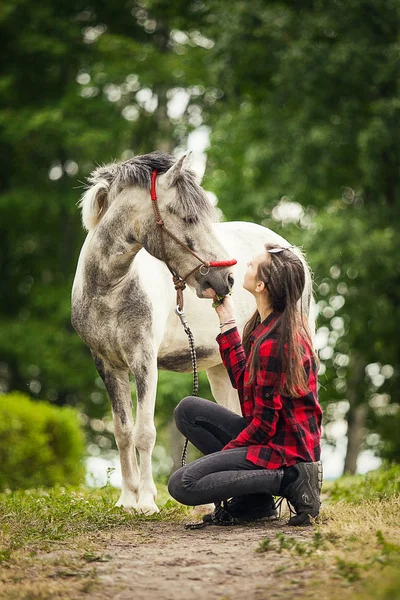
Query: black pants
(218, 475)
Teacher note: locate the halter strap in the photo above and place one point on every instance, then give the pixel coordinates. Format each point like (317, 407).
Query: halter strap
(179, 282)
(153, 191)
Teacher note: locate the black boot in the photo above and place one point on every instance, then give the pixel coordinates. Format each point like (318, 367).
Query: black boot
(251, 507)
(304, 492)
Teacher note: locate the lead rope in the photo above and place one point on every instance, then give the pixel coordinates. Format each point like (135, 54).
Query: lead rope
(180, 285)
(220, 516)
(179, 311)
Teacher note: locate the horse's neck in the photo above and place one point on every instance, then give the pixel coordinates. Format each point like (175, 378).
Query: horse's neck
(110, 255)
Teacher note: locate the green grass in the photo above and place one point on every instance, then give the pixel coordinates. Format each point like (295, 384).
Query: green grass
(52, 541)
(35, 517)
(354, 551)
(376, 485)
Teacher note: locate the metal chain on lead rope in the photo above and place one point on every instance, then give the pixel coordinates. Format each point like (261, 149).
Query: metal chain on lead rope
(180, 285)
(193, 357)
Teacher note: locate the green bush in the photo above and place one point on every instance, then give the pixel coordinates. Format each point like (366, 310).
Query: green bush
(375, 485)
(40, 445)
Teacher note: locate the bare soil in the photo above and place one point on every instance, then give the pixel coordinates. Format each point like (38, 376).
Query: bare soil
(353, 553)
(166, 562)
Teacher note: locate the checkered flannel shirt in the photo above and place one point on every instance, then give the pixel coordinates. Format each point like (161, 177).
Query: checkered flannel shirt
(281, 430)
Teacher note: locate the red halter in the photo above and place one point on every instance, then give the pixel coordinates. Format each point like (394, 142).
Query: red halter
(160, 222)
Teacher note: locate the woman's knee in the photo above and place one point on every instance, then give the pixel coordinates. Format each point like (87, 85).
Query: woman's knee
(173, 485)
(178, 489)
(184, 410)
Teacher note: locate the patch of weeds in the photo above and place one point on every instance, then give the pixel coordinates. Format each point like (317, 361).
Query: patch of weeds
(285, 542)
(5, 555)
(349, 570)
(387, 547)
(318, 540)
(389, 555)
(67, 573)
(264, 546)
(110, 471)
(332, 537)
(93, 557)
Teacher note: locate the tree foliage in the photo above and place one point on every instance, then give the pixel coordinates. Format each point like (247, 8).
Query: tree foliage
(40, 445)
(303, 140)
(302, 104)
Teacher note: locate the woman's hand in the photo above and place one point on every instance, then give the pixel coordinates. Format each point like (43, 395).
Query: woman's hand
(226, 310)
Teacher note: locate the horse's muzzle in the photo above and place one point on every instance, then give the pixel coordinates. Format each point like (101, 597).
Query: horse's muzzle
(216, 283)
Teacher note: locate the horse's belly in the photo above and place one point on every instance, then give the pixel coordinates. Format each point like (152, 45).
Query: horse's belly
(180, 361)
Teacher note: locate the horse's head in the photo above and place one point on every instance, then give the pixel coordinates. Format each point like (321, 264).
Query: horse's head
(119, 206)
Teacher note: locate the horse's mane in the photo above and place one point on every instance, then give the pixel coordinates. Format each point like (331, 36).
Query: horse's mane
(193, 206)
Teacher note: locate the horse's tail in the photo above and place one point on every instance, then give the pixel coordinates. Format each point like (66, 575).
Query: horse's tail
(93, 203)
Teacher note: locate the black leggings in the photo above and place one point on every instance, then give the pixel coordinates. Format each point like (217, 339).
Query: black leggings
(220, 474)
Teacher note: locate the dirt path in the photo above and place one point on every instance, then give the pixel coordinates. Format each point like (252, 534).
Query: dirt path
(163, 561)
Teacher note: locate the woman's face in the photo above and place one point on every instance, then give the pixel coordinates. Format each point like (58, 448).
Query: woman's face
(251, 282)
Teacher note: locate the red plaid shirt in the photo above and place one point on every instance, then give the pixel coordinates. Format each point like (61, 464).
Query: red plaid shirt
(281, 430)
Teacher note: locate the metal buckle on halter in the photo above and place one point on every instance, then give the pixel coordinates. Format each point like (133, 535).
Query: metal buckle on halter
(205, 272)
(181, 314)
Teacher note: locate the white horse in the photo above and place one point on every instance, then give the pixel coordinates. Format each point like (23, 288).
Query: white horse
(123, 299)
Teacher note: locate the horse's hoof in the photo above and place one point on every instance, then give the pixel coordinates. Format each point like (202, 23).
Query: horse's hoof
(129, 509)
(127, 501)
(147, 508)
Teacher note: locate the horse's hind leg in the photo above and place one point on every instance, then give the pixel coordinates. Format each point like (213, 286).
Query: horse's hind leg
(118, 388)
(222, 389)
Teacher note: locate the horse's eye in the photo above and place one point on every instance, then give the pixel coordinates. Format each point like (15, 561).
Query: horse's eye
(131, 238)
(192, 220)
(189, 242)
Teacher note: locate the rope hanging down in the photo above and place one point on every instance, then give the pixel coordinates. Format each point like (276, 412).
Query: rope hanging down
(193, 357)
(180, 284)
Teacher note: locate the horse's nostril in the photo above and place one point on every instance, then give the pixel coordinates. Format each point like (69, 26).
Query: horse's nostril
(231, 281)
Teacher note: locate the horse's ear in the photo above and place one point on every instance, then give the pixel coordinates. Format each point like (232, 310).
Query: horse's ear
(187, 160)
(94, 204)
(173, 172)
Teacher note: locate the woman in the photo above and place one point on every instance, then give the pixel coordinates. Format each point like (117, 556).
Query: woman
(274, 448)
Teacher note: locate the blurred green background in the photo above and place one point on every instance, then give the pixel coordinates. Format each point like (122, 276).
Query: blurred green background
(294, 109)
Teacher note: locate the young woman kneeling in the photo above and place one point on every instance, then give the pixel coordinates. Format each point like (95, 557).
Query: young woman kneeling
(274, 448)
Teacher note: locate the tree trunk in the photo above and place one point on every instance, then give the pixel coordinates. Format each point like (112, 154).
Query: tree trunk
(356, 418)
(357, 415)
(164, 128)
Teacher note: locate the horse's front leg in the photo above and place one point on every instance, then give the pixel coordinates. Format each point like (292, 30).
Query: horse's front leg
(118, 388)
(146, 376)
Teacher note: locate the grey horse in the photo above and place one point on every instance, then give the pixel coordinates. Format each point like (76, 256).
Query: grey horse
(123, 299)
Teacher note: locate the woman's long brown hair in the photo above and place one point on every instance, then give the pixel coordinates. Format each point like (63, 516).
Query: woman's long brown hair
(284, 278)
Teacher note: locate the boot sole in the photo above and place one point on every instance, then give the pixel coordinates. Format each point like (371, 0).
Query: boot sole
(273, 516)
(301, 520)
